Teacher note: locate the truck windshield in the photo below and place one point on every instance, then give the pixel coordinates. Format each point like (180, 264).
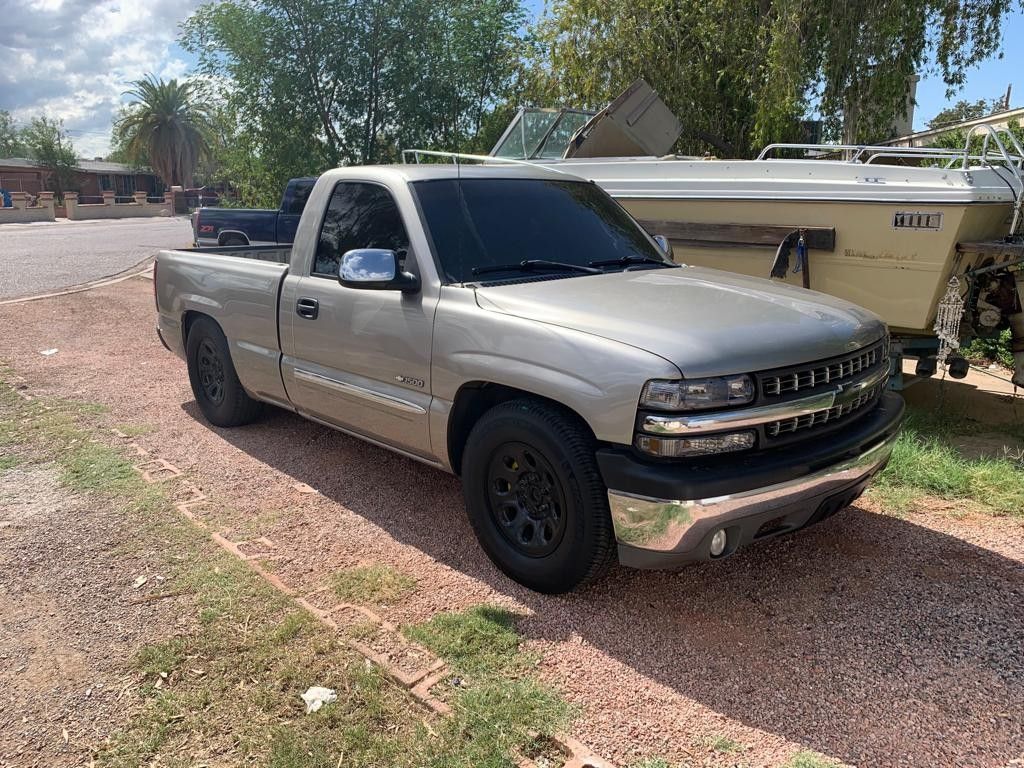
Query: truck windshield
(493, 226)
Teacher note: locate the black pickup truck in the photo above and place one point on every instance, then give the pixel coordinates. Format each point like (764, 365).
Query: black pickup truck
(254, 226)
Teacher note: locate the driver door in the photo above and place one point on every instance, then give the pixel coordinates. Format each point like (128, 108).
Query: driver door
(355, 357)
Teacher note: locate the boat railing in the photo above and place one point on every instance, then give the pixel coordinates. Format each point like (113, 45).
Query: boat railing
(1013, 163)
(867, 153)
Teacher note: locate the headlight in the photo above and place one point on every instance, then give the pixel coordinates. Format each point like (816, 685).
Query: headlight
(677, 447)
(697, 394)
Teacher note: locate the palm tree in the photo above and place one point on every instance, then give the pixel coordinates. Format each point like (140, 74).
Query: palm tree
(168, 123)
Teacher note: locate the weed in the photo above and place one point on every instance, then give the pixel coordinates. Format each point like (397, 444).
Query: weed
(923, 462)
(652, 762)
(720, 743)
(371, 584)
(810, 760)
(161, 658)
(134, 430)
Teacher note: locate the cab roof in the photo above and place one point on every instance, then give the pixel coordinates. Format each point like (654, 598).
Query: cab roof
(433, 171)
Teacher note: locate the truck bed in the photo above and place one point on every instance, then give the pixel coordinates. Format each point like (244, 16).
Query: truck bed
(280, 254)
(240, 288)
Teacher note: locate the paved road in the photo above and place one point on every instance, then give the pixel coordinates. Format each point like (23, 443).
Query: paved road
(39, 258)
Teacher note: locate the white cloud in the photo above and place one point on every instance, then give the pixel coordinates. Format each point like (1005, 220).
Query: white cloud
(73, 59)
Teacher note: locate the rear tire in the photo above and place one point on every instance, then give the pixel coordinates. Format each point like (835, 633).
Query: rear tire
(218, 392)
(535, 497)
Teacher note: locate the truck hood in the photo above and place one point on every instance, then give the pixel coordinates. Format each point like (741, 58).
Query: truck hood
(706, 322)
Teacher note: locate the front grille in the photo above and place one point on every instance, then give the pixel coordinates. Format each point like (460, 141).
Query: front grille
(803, 377)
(825, 416)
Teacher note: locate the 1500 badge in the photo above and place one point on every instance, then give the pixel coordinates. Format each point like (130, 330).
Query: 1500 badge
(410, 381)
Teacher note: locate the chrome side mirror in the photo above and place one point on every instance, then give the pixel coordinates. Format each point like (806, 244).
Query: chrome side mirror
(375, 269)
(664, 244)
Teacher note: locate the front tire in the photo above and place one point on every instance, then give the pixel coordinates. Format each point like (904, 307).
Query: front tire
(535, 497)
(218, 392)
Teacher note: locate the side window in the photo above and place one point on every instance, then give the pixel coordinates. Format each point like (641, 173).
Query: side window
(359, 215)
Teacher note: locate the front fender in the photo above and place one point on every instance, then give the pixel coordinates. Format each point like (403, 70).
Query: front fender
(598, 379)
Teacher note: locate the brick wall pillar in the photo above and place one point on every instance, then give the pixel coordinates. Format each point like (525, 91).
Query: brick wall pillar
(140, 197)
(46, 201)
(71, 204)
(108, 197)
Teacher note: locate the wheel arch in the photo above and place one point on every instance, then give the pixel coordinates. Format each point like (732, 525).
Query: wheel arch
(189, 319)
(224, 234)
(474, 399)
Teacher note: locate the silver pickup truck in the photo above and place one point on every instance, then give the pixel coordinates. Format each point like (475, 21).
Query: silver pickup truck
(516, 327)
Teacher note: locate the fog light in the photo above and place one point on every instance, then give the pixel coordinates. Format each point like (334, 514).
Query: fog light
(718, 542)
(674, 447)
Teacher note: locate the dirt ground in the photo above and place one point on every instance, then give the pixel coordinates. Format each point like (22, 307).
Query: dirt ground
(874, 639)
(68, 623)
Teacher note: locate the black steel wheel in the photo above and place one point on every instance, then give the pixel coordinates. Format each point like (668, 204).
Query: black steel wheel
(535, 497)
(218, 392)
(526, 499)
(211, 371)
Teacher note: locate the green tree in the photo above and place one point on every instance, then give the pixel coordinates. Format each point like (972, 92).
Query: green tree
(49, 145)
(11, 144)
(121, 149)
(963, 110)
(743, 74)
(167, 124)
(311, 84)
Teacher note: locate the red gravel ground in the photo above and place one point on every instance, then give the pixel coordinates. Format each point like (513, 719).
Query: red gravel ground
(876, 640)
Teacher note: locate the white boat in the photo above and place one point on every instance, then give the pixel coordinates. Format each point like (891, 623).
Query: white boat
(887, 228)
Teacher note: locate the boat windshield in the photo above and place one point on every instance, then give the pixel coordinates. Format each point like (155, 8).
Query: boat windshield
(540, 133)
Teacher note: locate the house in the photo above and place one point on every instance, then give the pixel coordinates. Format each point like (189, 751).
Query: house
(92, 178)
(999, 121)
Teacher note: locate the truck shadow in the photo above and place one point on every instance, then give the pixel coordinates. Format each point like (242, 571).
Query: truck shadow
(868, 638)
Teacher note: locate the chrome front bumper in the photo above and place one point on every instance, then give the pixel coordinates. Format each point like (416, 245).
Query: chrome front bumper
(658, 533)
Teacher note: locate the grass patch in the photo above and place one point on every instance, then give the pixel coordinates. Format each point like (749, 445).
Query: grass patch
(479, 642)
(227, 690)
(810, 760)
(652, 762)
(925, 463)
(371, 584)
(134, 430)
(499, 704)
(8, 462)
(720, 743)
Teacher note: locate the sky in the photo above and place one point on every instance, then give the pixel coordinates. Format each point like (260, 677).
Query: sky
(73, 59)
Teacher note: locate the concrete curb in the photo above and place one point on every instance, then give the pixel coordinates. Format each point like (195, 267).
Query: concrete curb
(138, 269)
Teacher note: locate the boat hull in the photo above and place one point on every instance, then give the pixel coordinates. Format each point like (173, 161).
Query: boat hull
(899, 273)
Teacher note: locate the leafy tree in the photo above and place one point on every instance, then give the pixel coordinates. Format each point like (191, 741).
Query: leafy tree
(11, 144)
(964, 110)
(168, 125)
(742, 74)
(310, 84)
(49, 145)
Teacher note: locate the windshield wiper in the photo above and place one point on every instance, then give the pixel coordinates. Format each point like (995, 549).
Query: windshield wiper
(532, 264)
(625, 261)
